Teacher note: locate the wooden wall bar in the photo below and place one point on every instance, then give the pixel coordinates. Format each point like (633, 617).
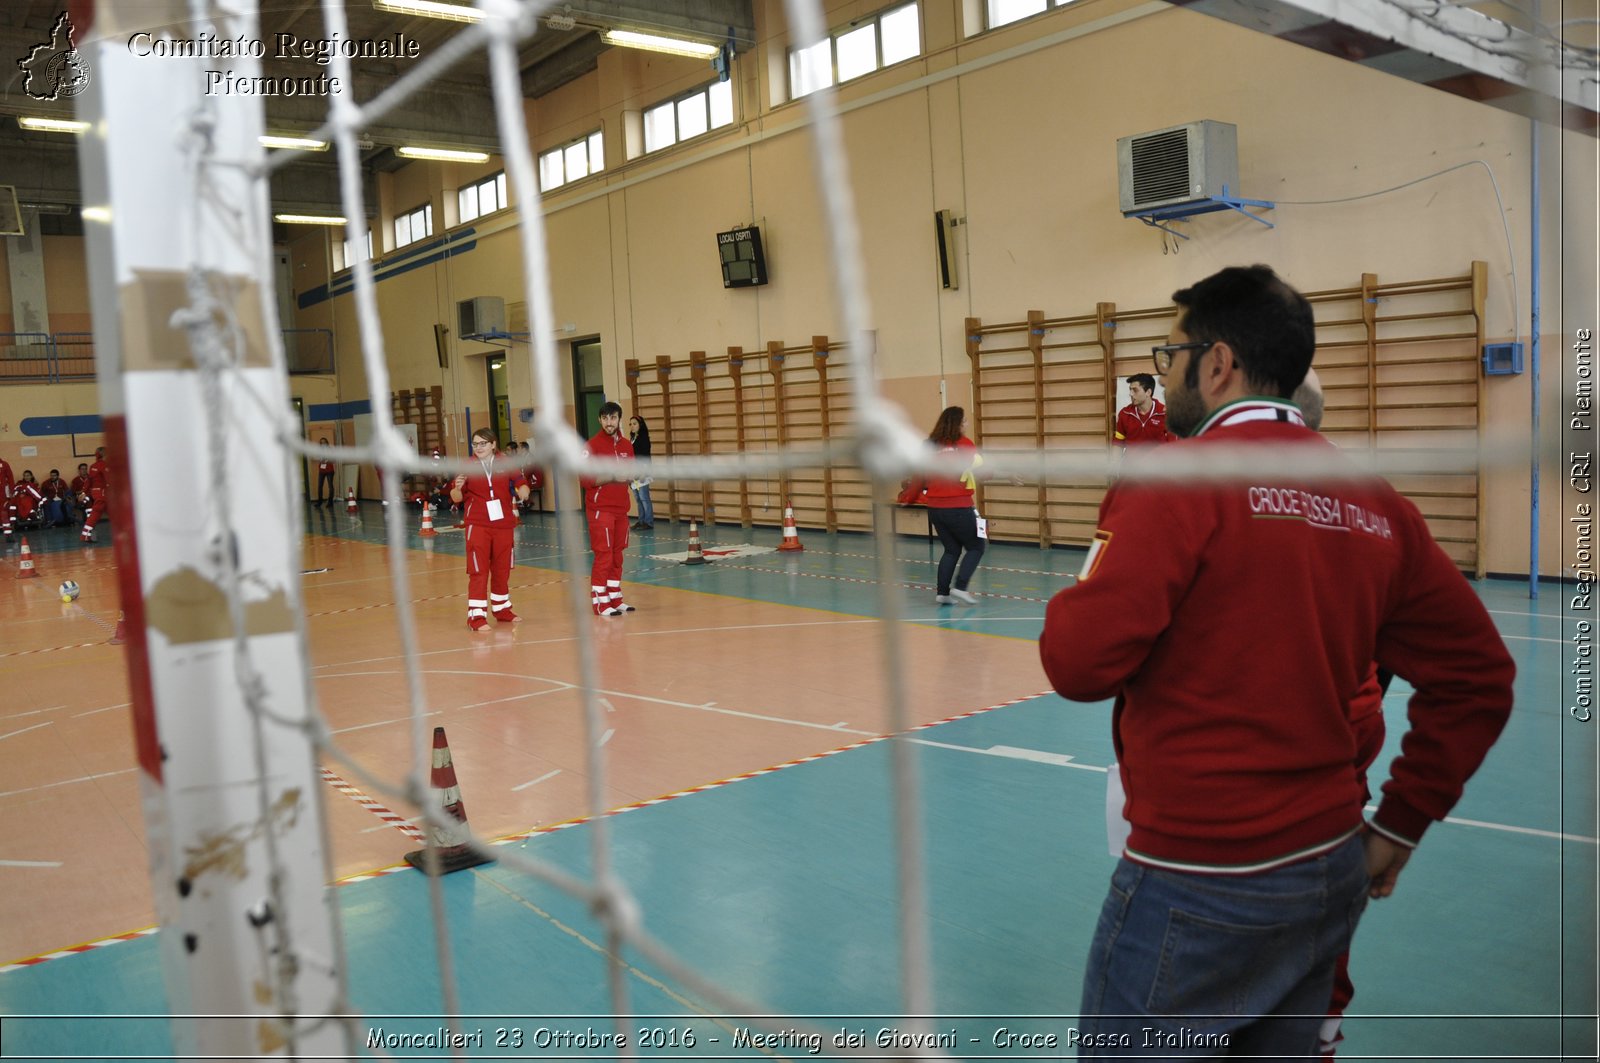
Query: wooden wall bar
(1399, 363)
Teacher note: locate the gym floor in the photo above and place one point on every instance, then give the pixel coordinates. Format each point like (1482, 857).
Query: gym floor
(779, 885)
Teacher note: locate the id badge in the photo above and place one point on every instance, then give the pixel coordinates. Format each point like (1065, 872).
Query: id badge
(983, 526)
(495, 509)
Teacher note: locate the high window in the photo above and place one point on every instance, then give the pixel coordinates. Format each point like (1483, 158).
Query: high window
(484, 197)
(572, 162)
(872, 43)
(688, 116)
(1004, 12)
(343, 259)
(413, 225)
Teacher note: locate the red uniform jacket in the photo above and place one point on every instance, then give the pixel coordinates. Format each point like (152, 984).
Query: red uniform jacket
(499, 483)
(612, 496)
(1261, 607)
(952, 494)
(1135, 427)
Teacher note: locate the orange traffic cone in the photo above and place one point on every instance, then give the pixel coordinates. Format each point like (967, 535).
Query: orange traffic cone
(448, 843)
(427, 531)
(350, 501)
(119, 636)
(25, 569)
(695, 556)
(791, 536)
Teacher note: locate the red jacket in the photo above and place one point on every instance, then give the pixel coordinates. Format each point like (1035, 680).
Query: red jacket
(500, 483)
(613, 496)
(953, 494)
(1262, 606)
(1134, 427)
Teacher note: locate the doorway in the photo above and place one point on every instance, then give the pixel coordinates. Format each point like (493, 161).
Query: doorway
(588, 385)
(499, 401)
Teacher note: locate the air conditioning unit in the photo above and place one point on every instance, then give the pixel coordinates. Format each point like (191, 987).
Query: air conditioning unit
(1183, 164)
(475, 317)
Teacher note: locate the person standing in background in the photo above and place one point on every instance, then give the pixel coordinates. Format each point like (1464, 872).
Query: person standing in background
(95, 488)
(951, 509)
(491, 522)
(324, 476)
(605, 508)
(639, 436)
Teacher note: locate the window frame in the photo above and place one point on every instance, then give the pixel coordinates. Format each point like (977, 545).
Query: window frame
(497, 181)
(989, 22)
(675, 103)
(342, 248)
(595, 148)
(426, 211)
(875, 21)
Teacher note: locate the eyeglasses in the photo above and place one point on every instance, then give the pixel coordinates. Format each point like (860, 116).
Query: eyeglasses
(1163, 354)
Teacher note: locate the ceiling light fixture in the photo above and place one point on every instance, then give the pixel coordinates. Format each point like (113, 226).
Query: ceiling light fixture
(309, 219)
(52, 125)
(650, 42)
(272, 140)
(95, 214)
(430, 9)
(442, 154)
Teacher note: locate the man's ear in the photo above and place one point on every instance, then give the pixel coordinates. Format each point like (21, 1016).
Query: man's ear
(1221, 371)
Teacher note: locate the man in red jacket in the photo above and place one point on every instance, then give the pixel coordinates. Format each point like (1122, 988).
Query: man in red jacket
(605, 507)
(1264, 604)
(1144, 420)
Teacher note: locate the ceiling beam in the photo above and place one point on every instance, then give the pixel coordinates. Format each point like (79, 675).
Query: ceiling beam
(1446, 46)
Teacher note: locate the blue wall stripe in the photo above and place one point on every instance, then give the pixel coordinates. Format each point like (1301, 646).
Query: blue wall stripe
(447, 247)
(337, 411)
(70, 424)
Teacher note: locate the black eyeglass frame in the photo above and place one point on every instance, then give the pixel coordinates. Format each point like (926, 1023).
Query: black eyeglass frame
(1162, 355)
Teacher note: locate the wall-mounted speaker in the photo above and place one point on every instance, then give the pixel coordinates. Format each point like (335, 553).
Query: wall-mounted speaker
(944, 236)
(441, 343)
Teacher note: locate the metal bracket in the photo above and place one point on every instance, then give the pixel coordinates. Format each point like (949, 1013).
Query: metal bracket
(1180, 211)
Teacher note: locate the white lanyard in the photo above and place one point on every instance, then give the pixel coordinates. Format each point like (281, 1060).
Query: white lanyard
(488, 473)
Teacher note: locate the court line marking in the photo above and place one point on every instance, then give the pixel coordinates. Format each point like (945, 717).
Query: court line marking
(25, 730)
(31, 712)
(535, 782)
(30, 863)
(96, 712)
(66, 782)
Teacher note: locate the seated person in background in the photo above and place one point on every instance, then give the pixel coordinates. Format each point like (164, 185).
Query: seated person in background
(57, 499)
(439, 485)
(529, 473)
(26, 508)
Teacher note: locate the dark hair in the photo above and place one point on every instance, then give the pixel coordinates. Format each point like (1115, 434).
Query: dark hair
(610, 407)
(1266, 322)
(641, 440)
(1144, 380)
(55, 472)
(947, 429)
(486, 433)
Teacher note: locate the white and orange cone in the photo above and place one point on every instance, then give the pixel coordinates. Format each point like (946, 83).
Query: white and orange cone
(350, 501)
(119, 636)
(25, 569)
(448, 843)
(696, 555)
(427, 531)
(791, 535)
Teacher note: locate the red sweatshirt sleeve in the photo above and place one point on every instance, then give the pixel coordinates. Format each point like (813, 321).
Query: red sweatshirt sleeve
(1440, 639)
(1095, 637)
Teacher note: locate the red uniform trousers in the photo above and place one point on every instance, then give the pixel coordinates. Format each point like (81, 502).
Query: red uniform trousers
(97, 506)
(489, 549)
(608, 538)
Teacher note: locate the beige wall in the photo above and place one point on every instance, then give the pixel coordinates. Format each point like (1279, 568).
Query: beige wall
(1014, 131)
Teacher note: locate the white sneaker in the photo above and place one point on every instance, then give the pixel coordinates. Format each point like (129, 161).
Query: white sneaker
(963, 597)
(943, 599)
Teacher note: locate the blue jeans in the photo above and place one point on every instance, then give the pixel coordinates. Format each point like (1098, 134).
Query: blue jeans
(958, 531)
(1181, 961)
(647, 512)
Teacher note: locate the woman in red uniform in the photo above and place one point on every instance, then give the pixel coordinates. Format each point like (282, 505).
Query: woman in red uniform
(491, 519)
